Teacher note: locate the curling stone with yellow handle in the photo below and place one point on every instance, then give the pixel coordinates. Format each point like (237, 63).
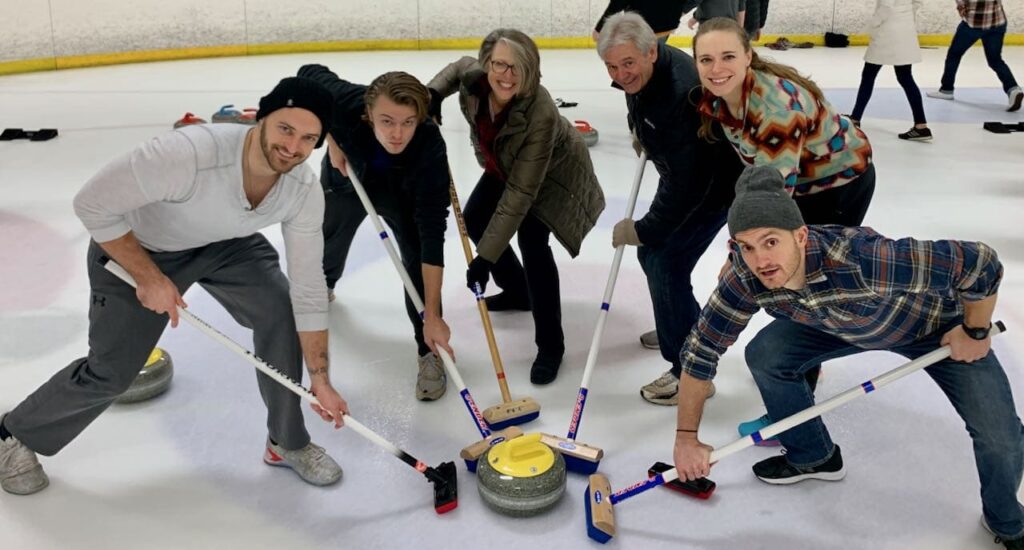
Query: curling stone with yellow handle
(521, 477)
(152, 380)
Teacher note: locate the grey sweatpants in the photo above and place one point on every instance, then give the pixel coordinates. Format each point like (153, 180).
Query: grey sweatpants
(242, 274)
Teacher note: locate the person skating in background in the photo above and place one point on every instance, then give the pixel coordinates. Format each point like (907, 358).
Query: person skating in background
(893, 33)
(983, 20)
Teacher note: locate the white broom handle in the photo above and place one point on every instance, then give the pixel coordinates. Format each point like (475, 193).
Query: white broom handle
(414, 295)
(613, 275)
(841, 399)
(260, 364)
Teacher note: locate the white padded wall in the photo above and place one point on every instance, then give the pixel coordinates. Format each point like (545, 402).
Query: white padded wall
(48, 28)
(25, 28)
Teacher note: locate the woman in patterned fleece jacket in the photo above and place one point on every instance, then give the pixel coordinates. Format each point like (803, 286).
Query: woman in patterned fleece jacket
(775, 117)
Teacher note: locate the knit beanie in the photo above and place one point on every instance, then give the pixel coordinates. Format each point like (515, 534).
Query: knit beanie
(762, 201)
(303, 93)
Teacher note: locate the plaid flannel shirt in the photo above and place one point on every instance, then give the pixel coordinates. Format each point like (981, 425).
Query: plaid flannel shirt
(873, 292)
(982, 14)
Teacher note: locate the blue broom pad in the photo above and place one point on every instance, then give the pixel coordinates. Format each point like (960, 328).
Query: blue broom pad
(592, 531)
(580, 466)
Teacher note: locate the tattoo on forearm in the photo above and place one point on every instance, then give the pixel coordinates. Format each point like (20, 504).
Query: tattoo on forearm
(318, 371)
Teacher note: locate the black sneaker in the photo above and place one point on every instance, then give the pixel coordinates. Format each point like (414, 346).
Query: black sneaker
(917, 134)
(545, 366)
(1015, 544)
(778, 471)
(504, 301)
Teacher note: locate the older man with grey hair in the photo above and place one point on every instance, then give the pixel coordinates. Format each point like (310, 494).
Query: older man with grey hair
(694, 190)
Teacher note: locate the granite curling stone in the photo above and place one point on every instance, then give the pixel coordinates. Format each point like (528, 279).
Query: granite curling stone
(588, 132)
(152, 380)
(521, 477)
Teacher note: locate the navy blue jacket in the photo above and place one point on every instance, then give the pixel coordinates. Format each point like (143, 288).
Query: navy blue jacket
(695, 175)
(418, 174)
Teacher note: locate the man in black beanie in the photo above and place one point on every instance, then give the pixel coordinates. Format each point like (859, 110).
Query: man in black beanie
(186, 207)
(835, 291)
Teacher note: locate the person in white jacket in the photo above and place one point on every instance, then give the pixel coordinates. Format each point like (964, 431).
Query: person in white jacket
(894, 42)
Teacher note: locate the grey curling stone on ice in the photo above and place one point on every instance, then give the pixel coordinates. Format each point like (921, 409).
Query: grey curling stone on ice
(588, 132)
(152, 380)
(521, 477)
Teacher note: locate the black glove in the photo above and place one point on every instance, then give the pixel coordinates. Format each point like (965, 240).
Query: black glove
(479, 273)
(434, 109)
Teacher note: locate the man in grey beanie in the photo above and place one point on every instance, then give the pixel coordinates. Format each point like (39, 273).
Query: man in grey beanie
(186, 207)
(835, 291)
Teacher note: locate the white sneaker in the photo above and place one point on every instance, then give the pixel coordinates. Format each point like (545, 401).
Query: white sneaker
(311, 462)
(940, 94)
(20, 471)
(1016, 97)
(431, 381)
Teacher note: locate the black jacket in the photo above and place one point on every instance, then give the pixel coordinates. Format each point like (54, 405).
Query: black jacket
(661, 15)
(695, 175)
(418, 174)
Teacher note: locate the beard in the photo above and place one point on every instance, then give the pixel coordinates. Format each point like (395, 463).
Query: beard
(276, 164)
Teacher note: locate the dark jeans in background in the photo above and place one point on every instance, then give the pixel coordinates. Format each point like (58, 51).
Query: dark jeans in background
(906, 79)
(991, 41)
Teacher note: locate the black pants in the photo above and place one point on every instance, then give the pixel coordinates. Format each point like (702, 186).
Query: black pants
(342, 216)
(906, 79)
(537, 275)
(843, 205)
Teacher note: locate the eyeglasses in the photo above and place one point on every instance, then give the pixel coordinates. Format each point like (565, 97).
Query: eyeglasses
(500, 67)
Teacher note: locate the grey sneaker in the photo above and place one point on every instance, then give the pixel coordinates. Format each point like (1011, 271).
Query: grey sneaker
(311, 462)
(665, 390)
(1016, 97)
(431, 381)
(940, 94)
(20, 471)
(649, 340)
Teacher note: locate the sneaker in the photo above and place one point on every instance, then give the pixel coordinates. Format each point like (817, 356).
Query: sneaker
(756, 425)
(649, 340)
(504, 301)
(20, 471)
(431, 381)
(1015, 544)
(916, 134)
(778, 471)
(311, 462)
(665, 390)
(1016, 97)
(940, 94)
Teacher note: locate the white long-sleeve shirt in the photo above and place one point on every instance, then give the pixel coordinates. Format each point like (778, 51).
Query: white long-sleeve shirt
(183, 190)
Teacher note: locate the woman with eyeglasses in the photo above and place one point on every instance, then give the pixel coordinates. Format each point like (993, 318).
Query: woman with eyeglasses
(538, 180)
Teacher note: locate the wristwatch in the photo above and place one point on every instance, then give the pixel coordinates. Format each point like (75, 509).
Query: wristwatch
(976, 333)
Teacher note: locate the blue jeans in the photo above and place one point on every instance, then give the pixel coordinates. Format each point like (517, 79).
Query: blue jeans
(668, 267)
(991, 41)
(783, 351)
